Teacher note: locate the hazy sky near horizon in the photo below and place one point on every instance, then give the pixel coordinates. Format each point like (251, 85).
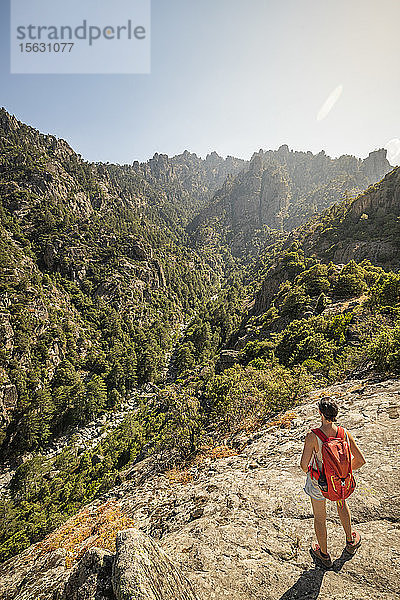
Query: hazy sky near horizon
(231, 76)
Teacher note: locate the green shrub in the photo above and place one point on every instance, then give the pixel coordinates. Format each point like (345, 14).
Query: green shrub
(242, 393)
(350, 281)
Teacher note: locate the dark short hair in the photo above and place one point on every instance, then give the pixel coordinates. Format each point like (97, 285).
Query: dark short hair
(329, 408)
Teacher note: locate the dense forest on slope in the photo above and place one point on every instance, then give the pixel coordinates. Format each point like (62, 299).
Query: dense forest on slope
(282, 277)
(324, 324)
(102, 264)
(94, 283)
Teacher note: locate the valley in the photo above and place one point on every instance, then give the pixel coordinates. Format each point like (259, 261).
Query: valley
(165, 328)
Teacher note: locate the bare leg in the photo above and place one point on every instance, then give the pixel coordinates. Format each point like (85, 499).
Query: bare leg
(319, 510)
(345, 517)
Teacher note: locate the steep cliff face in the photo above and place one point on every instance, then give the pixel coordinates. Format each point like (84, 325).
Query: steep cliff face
(242, 524)
(263, 197)
(381, 199)
(199, 177)
(279, 190)
(366, 227)
(244, 209)
(375, 164)
(185, 182)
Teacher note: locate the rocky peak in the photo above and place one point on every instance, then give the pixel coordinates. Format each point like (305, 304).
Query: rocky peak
(283, 150)
(256, 162)
(213, 157)
(7, 121)
(376, 163)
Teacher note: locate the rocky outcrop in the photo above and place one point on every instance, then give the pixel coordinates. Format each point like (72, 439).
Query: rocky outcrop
(138, 570)
(8, 122)
(142, 570)
(242, 525)
(8, 402)
(381, 198)
(379, 252)
(26, 577)
(375, 164)
(276, 275)
(91, 577)
(226, 359)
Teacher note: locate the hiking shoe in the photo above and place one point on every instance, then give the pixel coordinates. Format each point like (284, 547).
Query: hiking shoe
(355, 543)
(315, 551)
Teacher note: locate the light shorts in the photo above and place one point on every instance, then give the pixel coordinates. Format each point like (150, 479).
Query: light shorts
(312, 488)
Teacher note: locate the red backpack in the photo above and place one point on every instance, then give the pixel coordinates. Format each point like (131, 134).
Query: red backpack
(336, 457)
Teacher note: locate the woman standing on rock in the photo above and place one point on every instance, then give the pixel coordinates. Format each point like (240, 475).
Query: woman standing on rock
(312, 459)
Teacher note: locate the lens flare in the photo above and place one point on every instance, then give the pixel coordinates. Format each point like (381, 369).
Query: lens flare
(330, 102)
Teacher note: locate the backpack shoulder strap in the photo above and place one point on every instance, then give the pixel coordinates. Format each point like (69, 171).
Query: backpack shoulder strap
(319, 433)
(341, 433)
(346, 435)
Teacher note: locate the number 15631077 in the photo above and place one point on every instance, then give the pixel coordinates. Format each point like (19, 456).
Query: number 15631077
(46, 47)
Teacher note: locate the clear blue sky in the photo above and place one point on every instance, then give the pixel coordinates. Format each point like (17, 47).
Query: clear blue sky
(232, 76)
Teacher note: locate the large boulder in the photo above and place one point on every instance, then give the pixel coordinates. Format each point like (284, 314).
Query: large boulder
(90, 579)
(139, 570)
(29, 577)
(143, 571)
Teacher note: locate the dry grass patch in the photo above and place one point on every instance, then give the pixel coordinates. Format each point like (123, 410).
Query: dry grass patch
(88, 528)
(213, 453)
(284, 421)
(182, 474)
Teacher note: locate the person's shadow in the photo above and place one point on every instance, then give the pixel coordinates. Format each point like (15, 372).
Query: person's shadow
(308, 585)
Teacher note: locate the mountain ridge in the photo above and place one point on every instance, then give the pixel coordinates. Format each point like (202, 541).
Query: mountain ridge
(279, 190)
